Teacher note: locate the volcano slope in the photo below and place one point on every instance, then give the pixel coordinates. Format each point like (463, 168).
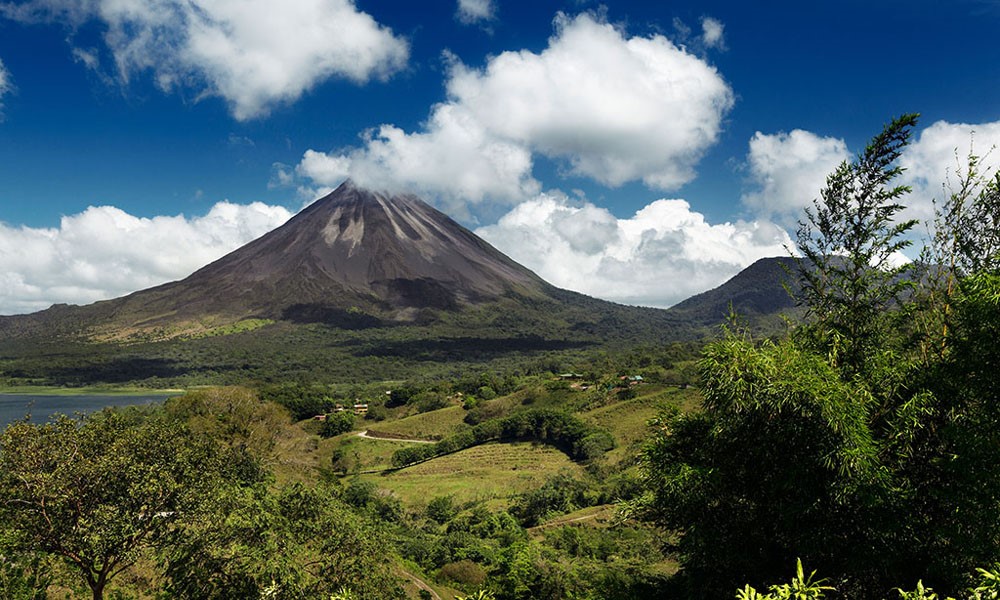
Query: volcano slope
(359, 284)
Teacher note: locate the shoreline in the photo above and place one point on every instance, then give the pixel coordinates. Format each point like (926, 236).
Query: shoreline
(40, 390)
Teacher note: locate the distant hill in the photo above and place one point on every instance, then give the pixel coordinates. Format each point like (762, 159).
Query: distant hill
(756, 294)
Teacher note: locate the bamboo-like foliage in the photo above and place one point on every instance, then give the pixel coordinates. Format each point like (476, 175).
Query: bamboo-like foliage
(850, 242)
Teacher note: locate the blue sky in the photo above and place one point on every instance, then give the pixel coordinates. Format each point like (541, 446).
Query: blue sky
(636, 151)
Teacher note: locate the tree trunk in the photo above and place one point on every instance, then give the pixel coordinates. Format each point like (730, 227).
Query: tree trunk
(97, 586)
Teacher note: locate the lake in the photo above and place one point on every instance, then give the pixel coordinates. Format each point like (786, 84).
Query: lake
(14, 407)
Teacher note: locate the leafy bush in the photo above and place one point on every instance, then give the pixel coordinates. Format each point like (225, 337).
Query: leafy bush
(302, 401)
(430, 401)
(337, 423)
(594, 445)
(442, 509)
(560, 494)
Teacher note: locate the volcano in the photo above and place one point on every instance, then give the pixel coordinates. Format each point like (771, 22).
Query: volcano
(354, 249)
(353, 257)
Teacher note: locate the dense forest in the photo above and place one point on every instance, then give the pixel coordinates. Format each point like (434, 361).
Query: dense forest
(853, 456)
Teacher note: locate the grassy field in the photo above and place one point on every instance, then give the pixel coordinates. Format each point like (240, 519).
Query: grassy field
(432, 425)
(626, 420)
(476, 474)
(592, 516)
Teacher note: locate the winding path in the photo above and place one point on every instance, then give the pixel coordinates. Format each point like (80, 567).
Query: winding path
(420, 583)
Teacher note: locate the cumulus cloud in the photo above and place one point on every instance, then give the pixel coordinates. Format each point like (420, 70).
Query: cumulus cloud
(476, 11)
(661, 255)
(939, 154)
(248, 52)
(609, 107)
(6, 85)
(788, 170)
(105, 252)
(713, 33)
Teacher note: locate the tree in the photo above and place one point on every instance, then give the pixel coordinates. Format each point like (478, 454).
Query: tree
(442, 509)
(97, 493)
(964, 242)
(337, 423)
(244, 428)
(849, 242)
(780, 463)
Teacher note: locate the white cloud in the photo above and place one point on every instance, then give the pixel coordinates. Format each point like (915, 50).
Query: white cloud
(615, 109)
(713, 33)
(6, 85)
(255, 54)
(475, 11)
(788, 170)
(324, 169)
(455, 159)
(939, 153)
(618, 109)
(104, 252)
(663, 254)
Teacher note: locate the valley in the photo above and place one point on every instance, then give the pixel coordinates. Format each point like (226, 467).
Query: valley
(502, 425)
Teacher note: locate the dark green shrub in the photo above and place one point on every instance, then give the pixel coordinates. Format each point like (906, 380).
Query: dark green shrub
(442, 509)
(337, 423)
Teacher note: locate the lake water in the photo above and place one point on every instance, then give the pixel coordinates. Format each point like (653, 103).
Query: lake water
(14, 407)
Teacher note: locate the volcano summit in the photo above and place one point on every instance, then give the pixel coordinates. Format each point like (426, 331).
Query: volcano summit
(353, 249)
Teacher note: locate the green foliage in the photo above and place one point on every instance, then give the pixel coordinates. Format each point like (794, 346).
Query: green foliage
(23, 575)
(557, 428)
(293, 543)
(366, 496)
(848, 444)
(918, 593)
(480, 595)
(560, 494)
(965, 240)
(302, 401)
(430, 401)
(848, 242)
(442, 509)
(238, 327)
(231, 416)
(763, 471)
(800, 588)
(337, 423)
(98, 493)
(464, 572)
(986, 586)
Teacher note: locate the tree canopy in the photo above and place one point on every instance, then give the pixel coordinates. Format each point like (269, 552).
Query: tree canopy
(97, 493)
